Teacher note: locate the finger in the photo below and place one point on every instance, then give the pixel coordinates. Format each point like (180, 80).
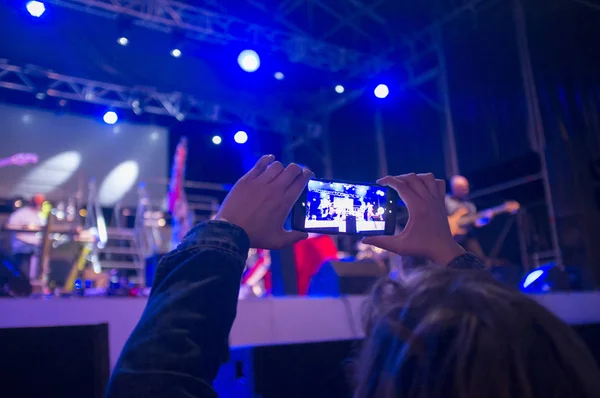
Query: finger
(260, 166)
(429, 181)
(287, 176)
(297, 186)
(290, 237)
(388, 243)
(272, 172)
(406, 193)
(441, 187)
(416, 184)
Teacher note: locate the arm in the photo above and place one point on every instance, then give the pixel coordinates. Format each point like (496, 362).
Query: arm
(182, 337)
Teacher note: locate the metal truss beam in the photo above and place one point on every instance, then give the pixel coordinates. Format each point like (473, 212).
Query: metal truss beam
(37, 80)
(205, 25)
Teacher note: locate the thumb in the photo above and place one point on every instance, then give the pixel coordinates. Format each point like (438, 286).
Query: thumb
(291, 237)
(383, 242)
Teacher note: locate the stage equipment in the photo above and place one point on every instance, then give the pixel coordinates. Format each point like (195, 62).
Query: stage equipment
(337, 278)
(552, 278)
(110, 117)
(139, 99)
(381, 91)
(256, 280)
(240, 137)
(35, 8)
(12, 282)
(249, 60)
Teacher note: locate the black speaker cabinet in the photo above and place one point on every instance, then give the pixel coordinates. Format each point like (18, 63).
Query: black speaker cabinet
(336, 278)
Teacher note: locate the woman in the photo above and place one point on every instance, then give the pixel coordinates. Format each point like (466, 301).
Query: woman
(414, 345)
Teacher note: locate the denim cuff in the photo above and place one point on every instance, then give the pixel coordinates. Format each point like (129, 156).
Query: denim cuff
(221, 235)
(466, 261)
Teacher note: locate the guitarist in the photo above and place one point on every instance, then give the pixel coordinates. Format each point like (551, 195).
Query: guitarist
(457, 206)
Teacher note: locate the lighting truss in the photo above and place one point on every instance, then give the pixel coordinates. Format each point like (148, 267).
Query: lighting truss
(206, 25)
(149, 100)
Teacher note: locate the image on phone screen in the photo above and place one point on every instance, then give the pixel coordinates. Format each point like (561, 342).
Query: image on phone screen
(345, 208)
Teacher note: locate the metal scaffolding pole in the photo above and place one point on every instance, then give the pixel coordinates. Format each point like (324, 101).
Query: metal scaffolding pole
(380, 139)
(452, 168)
(535, 126)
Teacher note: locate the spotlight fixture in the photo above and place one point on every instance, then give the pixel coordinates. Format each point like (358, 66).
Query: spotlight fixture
(279, 76)
(35, 8)
(122, 40)
(240, 137)
(216, 140)
(339, 89)
(110, 117)
(176, 53)
(249, 60)
(381, 91)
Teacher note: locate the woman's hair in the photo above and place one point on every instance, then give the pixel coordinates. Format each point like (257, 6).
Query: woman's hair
(446, 333)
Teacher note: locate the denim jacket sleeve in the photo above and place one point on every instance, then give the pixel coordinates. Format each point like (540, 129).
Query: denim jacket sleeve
(466, 261)
(182, 337)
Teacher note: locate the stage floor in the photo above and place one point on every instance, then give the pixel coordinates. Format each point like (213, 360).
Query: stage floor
(260, 322)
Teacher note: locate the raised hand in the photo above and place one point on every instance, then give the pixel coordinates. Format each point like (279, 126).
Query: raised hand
(427, 233)
(261, 200)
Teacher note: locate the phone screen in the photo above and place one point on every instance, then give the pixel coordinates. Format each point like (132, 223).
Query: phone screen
(332, 207)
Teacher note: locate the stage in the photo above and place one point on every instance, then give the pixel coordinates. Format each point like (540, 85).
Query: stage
(260, 322)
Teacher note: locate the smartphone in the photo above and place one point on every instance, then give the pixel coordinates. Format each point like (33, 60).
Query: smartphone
(345, 208)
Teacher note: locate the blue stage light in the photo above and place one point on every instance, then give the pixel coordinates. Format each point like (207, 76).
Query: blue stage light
(216, 140)
(110, 117)
(249, 60)
(546, 278)
(123, 40)
(381, 91)
(240, 137)
(279, 76)
(339, 89)
(35, 8)
(176, 53)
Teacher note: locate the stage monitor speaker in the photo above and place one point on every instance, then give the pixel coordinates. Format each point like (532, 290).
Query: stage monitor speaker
(336, 278)
(12, 280)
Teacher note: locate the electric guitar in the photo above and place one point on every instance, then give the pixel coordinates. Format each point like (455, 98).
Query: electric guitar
(461, 220)
(19, 159)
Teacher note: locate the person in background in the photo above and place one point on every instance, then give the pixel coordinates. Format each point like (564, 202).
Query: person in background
(429, 340)
(26, 245)
(458, 200)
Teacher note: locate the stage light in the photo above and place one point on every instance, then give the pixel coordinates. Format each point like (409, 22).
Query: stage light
(249, 60)
(35, 8)
(279, 76)
(240, 137)
(123, 40)
(339, 89)
(544, 279)
(217, 140)
(180, 116)
(176, 53)
(381, 91)
(110, 117)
